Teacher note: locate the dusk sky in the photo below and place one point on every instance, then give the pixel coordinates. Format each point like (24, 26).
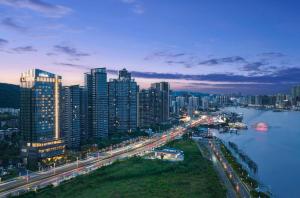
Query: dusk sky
(214, 46)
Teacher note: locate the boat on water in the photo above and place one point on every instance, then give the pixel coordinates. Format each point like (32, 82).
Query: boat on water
(233, 130)
(238, 125)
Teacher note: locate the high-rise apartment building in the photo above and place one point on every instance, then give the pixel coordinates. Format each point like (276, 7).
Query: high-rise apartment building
(180, 104)
(164, 100)
(83, 115)
(265, 100)
(154, 105)
(40, 116)
(122, 94)
(71, 116)
(97, 91)
(205, 102)
(296, 95)
(193, 104)
(281, 100)
(223, 100)
(149, 107)
(296, 91)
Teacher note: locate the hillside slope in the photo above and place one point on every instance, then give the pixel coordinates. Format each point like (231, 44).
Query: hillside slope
(9, 95)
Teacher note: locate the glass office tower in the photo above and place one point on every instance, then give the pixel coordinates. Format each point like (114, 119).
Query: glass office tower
(40, 115)
(97, 92)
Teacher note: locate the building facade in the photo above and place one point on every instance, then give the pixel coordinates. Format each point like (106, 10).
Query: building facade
(163, 88)
(205, 103)
(296, 95)
(97, 100)
(123, 100)
(154, 105)
(84, 135)
(223, 100)
(180, 104)
(71, 116)
(193, 104)
(149, 107)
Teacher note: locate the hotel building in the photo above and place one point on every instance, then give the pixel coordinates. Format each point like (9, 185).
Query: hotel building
(40, 116)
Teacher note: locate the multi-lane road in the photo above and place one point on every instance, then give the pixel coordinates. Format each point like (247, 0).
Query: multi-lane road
(58, 174)
(239, 186)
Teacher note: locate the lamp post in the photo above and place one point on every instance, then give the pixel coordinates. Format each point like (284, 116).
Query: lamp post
(27, 176)
(54, 169)
(77, 162)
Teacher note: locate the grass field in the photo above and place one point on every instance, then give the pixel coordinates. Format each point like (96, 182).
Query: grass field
(137, 177)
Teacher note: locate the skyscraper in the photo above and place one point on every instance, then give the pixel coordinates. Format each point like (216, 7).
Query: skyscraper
(296, 91)
(164, 100)
(149, 107)
(97, 90)
(122, 94)
(205, 102)
(223, 100)
(280, 100)
(83, 115)
(180, 104)
(71, 116)
(154, 105)
(40, 115)
(144, 108)
(193, 104)
(296, 95)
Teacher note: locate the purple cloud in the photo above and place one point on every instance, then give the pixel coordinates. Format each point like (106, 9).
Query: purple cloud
(3, 42)
(216, 61)
(12, 24)
(24, 49)
(48, 9)
(69, 51)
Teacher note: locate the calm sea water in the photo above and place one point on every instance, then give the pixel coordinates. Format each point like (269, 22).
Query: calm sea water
(276, 151)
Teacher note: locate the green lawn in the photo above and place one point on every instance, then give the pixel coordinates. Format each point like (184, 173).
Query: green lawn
(137, 177)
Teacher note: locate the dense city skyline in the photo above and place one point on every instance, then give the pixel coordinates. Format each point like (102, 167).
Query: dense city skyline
(216, 47)
(149, 98)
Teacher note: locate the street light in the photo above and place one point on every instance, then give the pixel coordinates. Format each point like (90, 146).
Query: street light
(237, 187)
(54, 168)
(27, 177)
(77, 162)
